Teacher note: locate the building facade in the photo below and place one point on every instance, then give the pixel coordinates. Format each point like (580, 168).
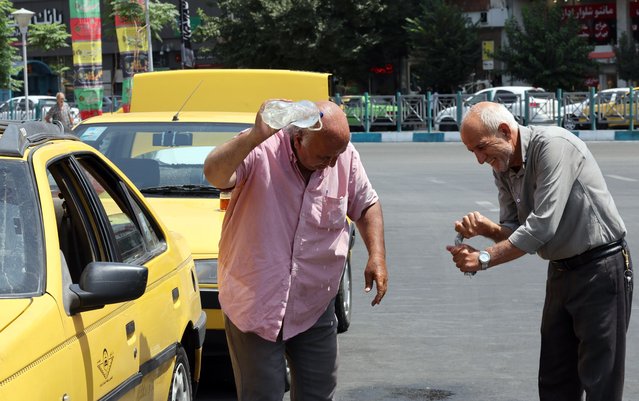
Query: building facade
(602, 23)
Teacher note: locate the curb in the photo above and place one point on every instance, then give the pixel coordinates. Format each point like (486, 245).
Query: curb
(415, 136)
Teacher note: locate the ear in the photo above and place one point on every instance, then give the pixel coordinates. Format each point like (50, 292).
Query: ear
(505, 128)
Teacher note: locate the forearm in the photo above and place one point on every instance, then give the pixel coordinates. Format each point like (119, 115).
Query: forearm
(498, 233)
(221, 163)
(502, 252)
(371, 228)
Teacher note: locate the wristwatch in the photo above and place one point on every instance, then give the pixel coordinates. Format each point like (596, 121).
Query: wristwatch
(484, 259)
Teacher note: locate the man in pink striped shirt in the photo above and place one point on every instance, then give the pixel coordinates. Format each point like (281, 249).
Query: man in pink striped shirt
(284, 243)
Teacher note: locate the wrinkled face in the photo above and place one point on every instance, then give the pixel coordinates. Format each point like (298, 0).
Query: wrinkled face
(495, 150)
(313, 153)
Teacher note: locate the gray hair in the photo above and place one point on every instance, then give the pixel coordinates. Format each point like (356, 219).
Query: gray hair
(293, 130)
(492, 115)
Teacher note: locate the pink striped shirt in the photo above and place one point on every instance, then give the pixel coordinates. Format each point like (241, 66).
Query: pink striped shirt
(284, 243)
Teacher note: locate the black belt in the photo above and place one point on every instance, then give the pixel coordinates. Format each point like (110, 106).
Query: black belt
(589, 256)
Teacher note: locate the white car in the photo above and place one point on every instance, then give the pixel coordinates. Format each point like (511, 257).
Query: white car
(14, 108)
(542, 107)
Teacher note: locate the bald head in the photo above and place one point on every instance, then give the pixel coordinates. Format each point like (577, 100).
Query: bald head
(334, 124)
(318, 149)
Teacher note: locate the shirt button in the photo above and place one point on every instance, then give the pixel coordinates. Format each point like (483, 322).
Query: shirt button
(518, 200)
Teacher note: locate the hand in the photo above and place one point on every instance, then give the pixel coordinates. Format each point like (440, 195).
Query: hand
(466, 257)
(376, 271)
(473, 224)
(261, 131)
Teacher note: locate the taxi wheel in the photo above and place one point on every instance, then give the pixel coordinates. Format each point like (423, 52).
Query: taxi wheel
(181, 381)
(569, 123)
(343, 299)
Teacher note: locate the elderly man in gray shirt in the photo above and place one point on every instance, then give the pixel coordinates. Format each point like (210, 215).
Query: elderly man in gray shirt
(554, 202)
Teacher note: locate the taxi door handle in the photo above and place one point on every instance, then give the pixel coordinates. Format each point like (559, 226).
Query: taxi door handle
(130, 329)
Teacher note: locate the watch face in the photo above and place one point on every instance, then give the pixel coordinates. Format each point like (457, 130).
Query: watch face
(484, 257)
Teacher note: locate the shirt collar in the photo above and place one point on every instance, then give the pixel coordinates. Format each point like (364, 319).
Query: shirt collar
(525, 134)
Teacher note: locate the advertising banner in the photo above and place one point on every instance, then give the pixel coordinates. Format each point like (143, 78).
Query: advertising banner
(188, 58)
(86, 42)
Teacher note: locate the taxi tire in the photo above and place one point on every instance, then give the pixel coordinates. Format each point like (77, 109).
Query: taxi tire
(343, 300)
(181, 380)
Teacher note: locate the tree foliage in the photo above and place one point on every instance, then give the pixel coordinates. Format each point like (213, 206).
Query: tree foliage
(547, 51)
(627, 55)
(161, 14)
(48, 36)
(445, 48)
(8, 53)
(320, 35)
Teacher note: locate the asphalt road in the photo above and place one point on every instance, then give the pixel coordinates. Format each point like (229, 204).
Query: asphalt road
(439, 335)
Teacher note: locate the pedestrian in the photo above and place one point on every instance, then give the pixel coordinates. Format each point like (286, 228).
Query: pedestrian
(61, 112)
(554, 201)
(284, 243)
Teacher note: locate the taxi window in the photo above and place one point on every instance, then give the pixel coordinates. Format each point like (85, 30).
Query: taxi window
(136, 238)
(21, 255)
(157, 155)
(98, 218)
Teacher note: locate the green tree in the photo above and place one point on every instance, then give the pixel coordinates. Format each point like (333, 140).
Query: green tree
(547, 51)
(50, 37)
(8, 53)
(333, 36)
(445, 48)
(627, 56)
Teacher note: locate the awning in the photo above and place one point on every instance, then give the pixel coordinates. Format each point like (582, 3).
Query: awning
(600, 55)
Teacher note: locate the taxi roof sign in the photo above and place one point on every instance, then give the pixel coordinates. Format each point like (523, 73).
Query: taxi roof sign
(233, 90)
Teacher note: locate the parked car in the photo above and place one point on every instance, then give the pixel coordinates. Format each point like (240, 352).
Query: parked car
(98, 299)
(542, 109)
(611, 110)
(382, 112)
(162, 143)
(14, 108)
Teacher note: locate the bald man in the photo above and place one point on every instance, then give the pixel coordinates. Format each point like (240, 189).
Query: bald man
(554, 202)
(285, 239)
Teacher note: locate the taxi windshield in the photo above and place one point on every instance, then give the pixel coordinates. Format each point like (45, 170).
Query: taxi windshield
(161, 158)
(21, 246)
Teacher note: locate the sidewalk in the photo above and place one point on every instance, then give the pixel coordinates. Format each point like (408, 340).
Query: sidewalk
(420, 136)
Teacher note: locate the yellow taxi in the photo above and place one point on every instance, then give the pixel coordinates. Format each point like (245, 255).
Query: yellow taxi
(176, 119)
(98, 299)
(612, 109)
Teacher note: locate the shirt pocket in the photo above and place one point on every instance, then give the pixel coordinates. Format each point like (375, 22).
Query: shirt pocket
(332, 213)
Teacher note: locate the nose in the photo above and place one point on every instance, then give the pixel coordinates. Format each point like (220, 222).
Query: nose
(481, 158)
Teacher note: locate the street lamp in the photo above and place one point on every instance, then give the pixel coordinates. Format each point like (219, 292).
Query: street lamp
(23, 18)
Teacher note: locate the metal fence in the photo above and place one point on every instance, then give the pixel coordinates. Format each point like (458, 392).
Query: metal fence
(616, 109)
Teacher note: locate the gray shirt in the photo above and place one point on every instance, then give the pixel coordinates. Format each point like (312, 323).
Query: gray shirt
(558, 203)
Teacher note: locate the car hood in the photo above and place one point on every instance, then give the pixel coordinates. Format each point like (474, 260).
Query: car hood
(11, 309)
(198, 220)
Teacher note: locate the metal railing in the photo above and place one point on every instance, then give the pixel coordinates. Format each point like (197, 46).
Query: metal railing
(609, 109)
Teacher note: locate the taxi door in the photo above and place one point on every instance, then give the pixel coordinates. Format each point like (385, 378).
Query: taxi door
(104, 342)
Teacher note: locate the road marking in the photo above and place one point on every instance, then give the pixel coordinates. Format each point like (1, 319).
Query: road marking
(488, 205)
(621, 178)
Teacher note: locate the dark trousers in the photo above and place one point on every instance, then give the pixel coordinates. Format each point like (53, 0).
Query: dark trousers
(259, 366)
(583, 331)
